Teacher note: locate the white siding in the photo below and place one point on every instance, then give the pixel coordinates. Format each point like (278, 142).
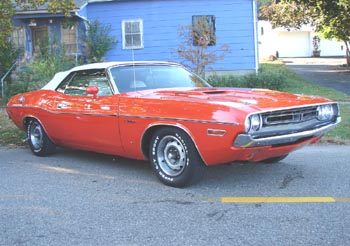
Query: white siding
(294, 44)
(332, 48)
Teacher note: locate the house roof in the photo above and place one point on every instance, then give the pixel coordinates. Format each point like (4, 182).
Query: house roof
(43, 8)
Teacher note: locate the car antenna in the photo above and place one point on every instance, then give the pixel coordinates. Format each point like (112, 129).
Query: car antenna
(133, 64)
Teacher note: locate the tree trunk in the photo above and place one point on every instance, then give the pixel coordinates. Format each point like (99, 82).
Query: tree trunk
(347, 53)
(202, 62)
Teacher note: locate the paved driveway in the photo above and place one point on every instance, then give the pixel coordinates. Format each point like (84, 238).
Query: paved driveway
(328, 72)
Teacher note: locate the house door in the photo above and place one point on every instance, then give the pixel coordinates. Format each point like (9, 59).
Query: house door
(39, 40)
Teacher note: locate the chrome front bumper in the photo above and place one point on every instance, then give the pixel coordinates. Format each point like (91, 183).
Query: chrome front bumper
(245, 140)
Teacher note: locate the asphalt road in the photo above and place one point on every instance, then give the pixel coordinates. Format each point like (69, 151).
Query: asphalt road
(80, 198)
(324, 71)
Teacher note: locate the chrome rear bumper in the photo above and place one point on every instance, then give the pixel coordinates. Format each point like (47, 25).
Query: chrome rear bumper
(245, 140)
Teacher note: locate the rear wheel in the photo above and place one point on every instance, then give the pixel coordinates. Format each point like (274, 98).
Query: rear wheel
(174, 158)
(38, 140)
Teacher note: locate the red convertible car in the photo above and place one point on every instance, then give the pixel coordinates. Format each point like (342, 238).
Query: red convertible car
(161, 112)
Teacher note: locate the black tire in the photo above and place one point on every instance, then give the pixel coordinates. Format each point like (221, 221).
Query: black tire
(174, 158)
(38, 140)
(274, 159)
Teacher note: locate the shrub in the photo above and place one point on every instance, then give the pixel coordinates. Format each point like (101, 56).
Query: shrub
(98, 41)
(266, 78)
(37, 73)
(195, 41)
(225, 81)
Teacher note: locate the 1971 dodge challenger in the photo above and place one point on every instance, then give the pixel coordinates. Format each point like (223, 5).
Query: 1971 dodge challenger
(161, 112)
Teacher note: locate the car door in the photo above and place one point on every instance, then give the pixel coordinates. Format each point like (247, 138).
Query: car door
(84, 121)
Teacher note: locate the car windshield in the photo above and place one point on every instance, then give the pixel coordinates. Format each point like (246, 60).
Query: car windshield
(144, 77)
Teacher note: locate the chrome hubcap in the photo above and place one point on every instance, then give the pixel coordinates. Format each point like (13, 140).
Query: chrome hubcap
(171, 156)
(36, 136)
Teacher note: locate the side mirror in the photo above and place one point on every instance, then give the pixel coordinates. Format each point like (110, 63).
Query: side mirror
(92, 90)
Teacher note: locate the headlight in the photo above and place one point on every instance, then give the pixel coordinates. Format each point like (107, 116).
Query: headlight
(253, 123)
(325, 112)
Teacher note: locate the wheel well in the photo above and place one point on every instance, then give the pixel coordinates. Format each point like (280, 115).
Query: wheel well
(145, 143)
(26, 120)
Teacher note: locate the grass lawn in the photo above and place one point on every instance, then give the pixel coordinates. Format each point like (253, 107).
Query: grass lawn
(341, 134)
(9, 134)
(295, 84)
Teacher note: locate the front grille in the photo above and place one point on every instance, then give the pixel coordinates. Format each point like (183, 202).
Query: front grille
(287, 121)
(290, 116)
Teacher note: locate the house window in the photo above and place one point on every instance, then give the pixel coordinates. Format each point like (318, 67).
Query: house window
(203, 27)
(132, 34)
(18, 37)
(69, 38)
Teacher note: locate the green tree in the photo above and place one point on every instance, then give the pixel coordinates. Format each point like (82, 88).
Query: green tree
(7, 51)
(98, 41)
(7, 9)
(334, 22)
(53, 6)
(194, 46)
(265, 2)
(287, 14)
(331, 18)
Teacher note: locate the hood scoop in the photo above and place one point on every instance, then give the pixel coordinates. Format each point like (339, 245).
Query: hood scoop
(204, 94)
(200, 92)
(208, 93)
(216, 92)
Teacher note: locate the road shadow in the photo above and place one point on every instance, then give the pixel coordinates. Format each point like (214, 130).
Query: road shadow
(118, 171)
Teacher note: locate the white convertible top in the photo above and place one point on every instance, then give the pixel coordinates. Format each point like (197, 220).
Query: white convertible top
(57, 79)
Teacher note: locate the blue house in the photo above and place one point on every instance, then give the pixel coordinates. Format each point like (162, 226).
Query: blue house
(34, 27)
(149, 29)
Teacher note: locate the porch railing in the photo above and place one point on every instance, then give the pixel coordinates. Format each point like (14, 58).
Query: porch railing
(4, 77)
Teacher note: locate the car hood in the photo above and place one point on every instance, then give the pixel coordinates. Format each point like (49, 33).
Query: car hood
(254, 99)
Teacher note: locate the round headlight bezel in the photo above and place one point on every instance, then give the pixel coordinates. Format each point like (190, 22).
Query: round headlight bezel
(253, 123)
(247, 124)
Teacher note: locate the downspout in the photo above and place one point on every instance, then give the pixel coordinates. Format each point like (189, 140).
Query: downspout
(256, 42)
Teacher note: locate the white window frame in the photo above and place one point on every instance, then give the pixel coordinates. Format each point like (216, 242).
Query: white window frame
(71, 31)
(18, 37)
(140, 33)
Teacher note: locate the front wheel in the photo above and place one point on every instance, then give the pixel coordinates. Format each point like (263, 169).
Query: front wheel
(174, 158)
(39, 142)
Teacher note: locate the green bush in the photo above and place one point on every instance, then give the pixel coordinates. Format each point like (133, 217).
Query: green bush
(223, 81)
(98, 41)
(266, 78)
(51, 58)
(40, 71)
